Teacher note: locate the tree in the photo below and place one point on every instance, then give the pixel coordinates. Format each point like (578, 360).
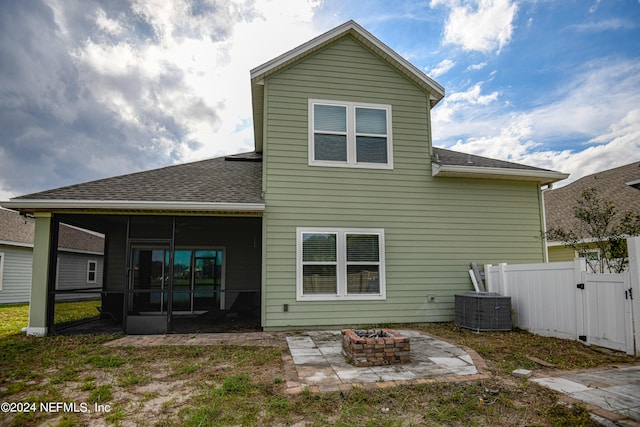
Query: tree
(599, 227)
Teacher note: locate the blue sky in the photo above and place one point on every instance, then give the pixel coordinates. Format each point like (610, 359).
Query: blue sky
(91, 89)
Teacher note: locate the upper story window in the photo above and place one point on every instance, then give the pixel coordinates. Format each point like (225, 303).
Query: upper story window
(349, 134)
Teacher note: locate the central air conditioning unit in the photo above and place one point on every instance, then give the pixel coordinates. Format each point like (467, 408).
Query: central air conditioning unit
(483, 311)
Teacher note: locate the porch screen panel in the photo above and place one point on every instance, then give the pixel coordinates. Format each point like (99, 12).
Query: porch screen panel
(182, 274)
(319, 263)
(150, 269)
(363, 264)
(207, 278)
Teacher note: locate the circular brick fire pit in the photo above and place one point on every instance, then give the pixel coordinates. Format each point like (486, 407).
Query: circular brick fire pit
(375, 347)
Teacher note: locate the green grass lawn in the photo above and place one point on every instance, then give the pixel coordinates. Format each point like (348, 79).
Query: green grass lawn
(14, 317)
(229, 385)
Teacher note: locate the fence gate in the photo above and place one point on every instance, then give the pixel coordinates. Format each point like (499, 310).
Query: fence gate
(607, 311)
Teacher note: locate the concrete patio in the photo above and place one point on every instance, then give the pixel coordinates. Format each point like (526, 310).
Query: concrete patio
(315, 361)
(610, 392)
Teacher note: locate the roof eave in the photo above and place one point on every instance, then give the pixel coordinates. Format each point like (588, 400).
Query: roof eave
(65, 204)
(457, 171)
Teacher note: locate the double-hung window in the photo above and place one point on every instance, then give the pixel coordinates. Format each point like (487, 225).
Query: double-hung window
(92, 271)
(340, 264)
(350, 134)
(1, 268)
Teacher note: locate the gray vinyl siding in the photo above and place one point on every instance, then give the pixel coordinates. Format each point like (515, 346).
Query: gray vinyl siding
(434, 227)
(72, 274)
(16, 275)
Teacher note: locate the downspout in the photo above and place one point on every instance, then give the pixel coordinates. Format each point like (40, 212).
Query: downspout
(265, 213)
(429, 133)
(543, 220)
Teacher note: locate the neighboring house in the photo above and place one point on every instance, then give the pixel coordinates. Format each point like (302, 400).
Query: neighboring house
(619, 185)
(79, 260)
(344, 214)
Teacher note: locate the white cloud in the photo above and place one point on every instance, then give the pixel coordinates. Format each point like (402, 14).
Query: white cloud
(459, 107)
(195, 69)
(594, 6)
(606, 25)
(511, 142)
(479, 66)
(110, 26)
(105, 88)
(598, 95)
(599, 105)
(485, 25)
(514, 143)
(442, 67)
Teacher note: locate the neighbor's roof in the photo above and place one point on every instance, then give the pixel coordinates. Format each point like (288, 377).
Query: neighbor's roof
(77, 239)
(454, 164)
(15, 230)
(618, 185)
(231, 183)
(349, 28)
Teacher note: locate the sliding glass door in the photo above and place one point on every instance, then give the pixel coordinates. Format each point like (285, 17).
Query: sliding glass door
(197, 280)
(165, 282)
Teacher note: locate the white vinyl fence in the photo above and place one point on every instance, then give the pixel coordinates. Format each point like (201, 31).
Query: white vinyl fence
(562, 300)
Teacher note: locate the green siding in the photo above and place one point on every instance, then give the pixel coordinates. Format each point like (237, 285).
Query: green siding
(434, 227)
(561, 253)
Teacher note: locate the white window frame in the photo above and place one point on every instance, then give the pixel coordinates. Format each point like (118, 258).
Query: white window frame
(1, 268)
(351, 135)
(341, 262)
(95, 271)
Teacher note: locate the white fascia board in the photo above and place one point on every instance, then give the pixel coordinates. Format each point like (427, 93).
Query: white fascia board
(130, 204)
(259, 71)
(16, 244)
(544, 177)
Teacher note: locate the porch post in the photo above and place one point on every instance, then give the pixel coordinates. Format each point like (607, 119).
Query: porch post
(40, 275)
(633, 248)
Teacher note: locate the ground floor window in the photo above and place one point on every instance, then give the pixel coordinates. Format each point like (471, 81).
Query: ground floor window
(92, 270)
(340, 263)
(1, 268)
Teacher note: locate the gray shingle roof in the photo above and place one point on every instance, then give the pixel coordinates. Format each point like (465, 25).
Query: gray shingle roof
(454, 164)
(611, 185)
(457, 158)
(231, 179)
(15, 229)
(79, 240)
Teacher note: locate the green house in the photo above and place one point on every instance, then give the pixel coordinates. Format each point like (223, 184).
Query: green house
(344, 214)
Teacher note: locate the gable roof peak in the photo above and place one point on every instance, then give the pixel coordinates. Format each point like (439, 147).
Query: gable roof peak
(350, 28)
(353, 28)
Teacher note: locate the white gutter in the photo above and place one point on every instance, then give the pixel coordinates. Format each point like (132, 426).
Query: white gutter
(542, 176)
(16, 244)
(130, 205)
